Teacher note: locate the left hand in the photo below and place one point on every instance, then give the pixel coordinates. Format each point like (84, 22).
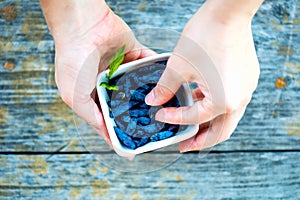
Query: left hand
(86, 37)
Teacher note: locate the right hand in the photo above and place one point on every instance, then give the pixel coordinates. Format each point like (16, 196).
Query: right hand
(220, 57)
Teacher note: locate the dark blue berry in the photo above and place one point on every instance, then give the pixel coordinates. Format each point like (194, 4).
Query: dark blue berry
(125, 139)
(143, 121)
(161, 136)
(134, 118)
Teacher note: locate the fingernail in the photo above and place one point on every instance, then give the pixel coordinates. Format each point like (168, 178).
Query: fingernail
(183, 150)
(150, 98)
(160, 116)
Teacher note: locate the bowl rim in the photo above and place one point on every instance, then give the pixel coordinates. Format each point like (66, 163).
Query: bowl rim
(190, 131)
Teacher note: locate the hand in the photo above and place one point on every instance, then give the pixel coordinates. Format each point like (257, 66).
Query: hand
(86, 37)
(219, 56)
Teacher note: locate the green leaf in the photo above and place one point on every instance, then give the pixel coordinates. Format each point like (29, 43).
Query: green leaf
(116, 61)
(109, 87)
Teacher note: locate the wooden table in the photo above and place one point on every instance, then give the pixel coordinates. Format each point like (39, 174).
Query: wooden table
(42, 155)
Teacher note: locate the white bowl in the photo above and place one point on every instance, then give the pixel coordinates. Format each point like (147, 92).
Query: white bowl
(120, 149)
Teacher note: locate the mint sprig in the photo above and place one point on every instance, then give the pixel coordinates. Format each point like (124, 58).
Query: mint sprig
(109, 87)
(114, 64)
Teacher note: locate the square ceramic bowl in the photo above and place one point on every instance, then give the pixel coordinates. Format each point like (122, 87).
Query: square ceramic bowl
(120, 149)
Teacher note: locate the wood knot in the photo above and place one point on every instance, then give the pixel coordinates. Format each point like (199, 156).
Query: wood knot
(9, 13)
(9, 65)
(280, 83)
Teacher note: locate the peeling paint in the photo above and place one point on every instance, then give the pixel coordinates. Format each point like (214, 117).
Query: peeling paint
(46, 126)
(142, 7)
(285, 51)
(39, 165)
(31, 63)
(73, 146)
(58, 113)
(296, 21)
(104, 170)
(184, 197)
(192, 192)
(59, 187)
(59, 183)
(3, 114)
(161, 198)
(9, 13)
(34, 27)
(7, 193)
(293, 67)
(28, 192)
(6, 45)
(3, 161)
(11, 178)
(100, 191)
(9, 65)
(179, 178)
(92, 171)
(135, 196)
(75, 192)
(168, 174)
(293, 128)
(100, 183)
(280, 83)
(120, 196)
(58, 117)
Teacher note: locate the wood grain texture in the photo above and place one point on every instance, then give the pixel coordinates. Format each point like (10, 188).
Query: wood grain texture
(33, 118)
(44, 154)
(216, 176)
(50, 127)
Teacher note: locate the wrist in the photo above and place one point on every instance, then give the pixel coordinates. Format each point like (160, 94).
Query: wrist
(232, 12)
(69, 17)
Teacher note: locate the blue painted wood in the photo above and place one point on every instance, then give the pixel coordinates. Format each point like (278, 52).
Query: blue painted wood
(258, 162)
(271, 120)
(215, 176)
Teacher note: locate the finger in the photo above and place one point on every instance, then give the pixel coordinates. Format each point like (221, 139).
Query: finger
(95, 98)
(170, 81)
(197, 94)
(139, 51)
(200, 112)
(220, 130)
(76, 81)
(144, 51)
(89, 112)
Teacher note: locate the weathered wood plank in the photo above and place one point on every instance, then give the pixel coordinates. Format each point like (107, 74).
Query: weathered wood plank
(34, 119)
(27, 43)
(49, 127)
(216, 176)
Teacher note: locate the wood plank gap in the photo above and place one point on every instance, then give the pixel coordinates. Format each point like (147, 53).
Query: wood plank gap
(158, 152)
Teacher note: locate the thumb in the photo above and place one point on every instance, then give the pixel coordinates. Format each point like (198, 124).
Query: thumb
(139, 51)
(170, 81)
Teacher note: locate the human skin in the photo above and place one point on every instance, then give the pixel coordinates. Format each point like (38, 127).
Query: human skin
(216, 51)
(86, 35)
(89, 32)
